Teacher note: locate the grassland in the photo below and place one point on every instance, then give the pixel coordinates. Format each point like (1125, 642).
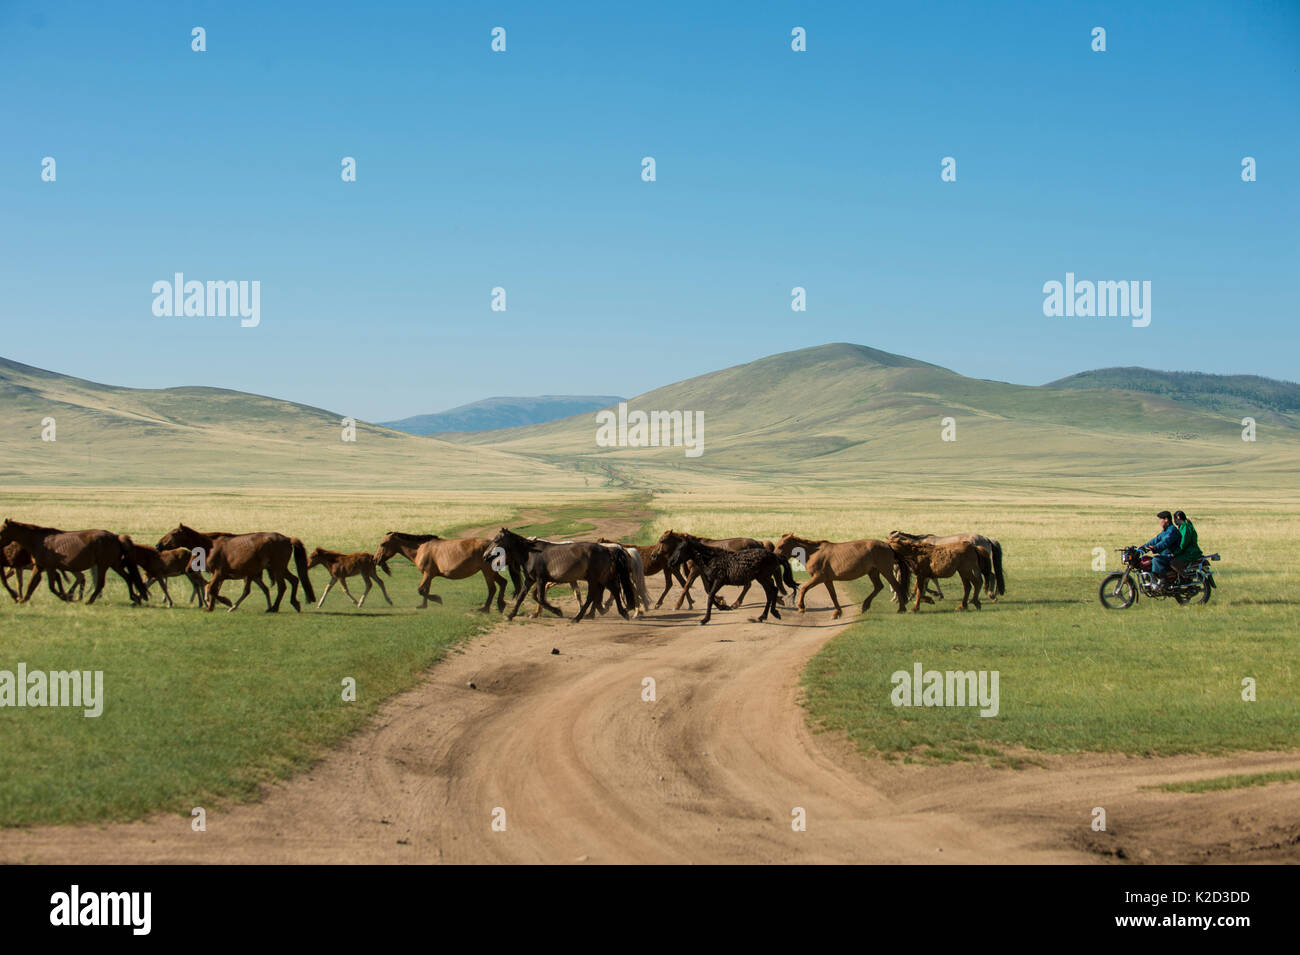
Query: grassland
(202, 708)
(1156, 679)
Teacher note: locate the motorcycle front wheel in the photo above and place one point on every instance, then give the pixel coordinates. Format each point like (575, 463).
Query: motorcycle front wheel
(1117, 592)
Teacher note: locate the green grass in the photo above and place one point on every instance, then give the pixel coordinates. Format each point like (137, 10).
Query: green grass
(1157, 679)
(1232, 782)
(201, 708)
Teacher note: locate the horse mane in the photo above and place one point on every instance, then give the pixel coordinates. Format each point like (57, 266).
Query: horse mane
(33, 527)
(413, 538)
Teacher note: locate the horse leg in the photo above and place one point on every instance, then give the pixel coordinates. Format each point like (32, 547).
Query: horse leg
(594, 592)
(877, 587)
(101, 576)
(803, 590)
(328, 587)
(31, 587)
(266, 591)
(686, 589)
(213, 588)
(4, 579)
(975, 590)
(739, 600)
(769, 603)
(380, 582)
(344, 584)
(830, 589)
(233, 607)
(166, 596)
(708, 603)
(519, 598)
(543, 602)
(920, 590)
(424, 589)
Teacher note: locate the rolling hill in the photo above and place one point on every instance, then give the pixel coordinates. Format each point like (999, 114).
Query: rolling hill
(846, 413)
(836, 414)
(212, 436)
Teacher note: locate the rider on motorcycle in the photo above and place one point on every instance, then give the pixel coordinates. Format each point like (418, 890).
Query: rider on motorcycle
(1163, 546)
(1185, 551)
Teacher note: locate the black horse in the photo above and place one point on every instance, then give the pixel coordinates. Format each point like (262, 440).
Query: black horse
(719, 568)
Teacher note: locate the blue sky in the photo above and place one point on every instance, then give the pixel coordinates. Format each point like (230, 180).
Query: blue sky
(523, 170)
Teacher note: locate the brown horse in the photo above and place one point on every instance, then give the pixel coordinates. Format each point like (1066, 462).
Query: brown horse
(188, 537)
(14, 558)
(159, 565)
(654, 559)
(247, 556)
(455, 558)
(829, 561)
(343, 566)
(990, 559)
(53, 551)
(929, 560)
(543, 563)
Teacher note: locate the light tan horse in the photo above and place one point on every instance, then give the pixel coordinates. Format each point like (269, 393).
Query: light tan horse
(930, 560)
(990, 559)
(454, 558)
(829, 561)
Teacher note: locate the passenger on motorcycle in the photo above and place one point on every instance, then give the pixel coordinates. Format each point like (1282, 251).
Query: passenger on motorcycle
(1185, 551)
(1163, 546)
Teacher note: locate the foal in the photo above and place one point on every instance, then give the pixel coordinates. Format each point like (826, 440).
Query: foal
(343, 566)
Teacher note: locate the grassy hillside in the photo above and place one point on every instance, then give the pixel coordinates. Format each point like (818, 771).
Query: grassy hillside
(210, 436)
(853, 415)
(1232, 394)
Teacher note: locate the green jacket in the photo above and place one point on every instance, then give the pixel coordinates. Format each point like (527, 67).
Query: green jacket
(1187, 549)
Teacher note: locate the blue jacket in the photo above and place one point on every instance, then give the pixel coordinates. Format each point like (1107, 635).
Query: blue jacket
(1167, 541)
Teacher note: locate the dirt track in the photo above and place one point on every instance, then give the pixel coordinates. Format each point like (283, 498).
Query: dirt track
(587, 771)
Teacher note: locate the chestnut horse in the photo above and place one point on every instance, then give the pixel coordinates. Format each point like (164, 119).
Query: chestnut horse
(54, 550)
(14, 558)
(829, 561)
(188, 537)
(455, 558)
(343, 566)
(930, 560)
(247, 556)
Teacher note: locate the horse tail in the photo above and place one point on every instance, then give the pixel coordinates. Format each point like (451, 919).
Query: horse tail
(133, 580)
(984, 560)
(787, 574)
(997, 568)
(622, 568)
(304, 576)
(904, 577)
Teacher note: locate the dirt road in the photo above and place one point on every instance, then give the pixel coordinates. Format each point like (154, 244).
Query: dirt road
(581, 768)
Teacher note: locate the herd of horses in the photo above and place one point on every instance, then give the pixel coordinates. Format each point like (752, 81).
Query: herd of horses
(532, 565)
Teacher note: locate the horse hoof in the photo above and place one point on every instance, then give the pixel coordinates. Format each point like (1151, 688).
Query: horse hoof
(835, 616)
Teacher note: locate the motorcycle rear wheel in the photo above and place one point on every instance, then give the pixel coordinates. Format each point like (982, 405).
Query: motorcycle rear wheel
(1117, 592)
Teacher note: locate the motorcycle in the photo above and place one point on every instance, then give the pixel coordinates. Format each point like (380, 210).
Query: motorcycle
(1120, 590)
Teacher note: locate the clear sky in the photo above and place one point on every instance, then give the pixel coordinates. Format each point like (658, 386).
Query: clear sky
(522, 169)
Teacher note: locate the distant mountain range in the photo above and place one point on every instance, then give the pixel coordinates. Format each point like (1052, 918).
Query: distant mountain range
(495, 413)
(839, 413)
